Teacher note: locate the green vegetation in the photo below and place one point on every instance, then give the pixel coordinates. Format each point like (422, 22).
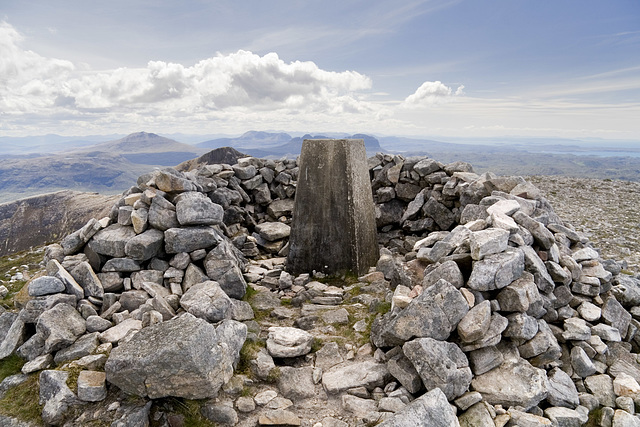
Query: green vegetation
(22, 401)
(189, 409)
(10, 265)
(10, 366)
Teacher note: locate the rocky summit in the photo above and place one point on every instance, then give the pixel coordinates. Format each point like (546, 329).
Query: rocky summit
(484, 309)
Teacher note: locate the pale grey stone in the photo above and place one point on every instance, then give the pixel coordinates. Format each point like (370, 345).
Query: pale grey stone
(488, 242)
(514, 383)
(111, 241)
(195, 208)
(541, 234)
(601, 386)
(273, 231)
(562, 390)
(476, 415)
(60, 326)
(624, 419)
(615, 315)
(119, 331)
(278, 417)
(349, 375)
(434, 313)
(197, 370)
(497, 271)
(83, 346)
(88, 279)
(145, 246)
(485, 359)
(45, 285)
(576, 329)
(288, 342)
(220, 413)
(448, 271)
(188, 239)
(14, 336)
(429, 410)
(439, 364)
(38, 364)
(521, 326)
(207, 301)
(296, 383)
(54, 268)
(55, 395)
(401, 368)
(475, 323)
(536, 266)
(225, 264)
(492, 336)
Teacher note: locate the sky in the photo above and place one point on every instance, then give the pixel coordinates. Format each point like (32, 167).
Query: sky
(457, 68)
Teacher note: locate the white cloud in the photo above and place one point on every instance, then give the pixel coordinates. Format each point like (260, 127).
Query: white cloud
(240, 82)
(431, 93)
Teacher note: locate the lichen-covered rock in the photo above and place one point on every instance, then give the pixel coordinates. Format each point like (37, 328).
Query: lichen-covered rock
(151, 365)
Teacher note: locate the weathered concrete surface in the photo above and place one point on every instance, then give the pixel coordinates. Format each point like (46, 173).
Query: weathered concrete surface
(333, 228)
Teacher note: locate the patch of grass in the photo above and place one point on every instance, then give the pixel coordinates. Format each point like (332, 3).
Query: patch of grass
(189, 409)
(249, 293)
(340, 281)
(10, 366)
(248, 353)
(22, 401)
(316, 344)
(274, 375)
(383, 307)
(72, 380)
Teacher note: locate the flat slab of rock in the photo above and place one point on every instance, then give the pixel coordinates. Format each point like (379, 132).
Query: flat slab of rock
(514, 383)
(288, 342)
(273, 231)
(152, 365)
(342, 377)
(440, 364)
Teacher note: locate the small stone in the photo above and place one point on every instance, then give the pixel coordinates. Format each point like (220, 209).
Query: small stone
(288, 342)
(245, 404)
(92, 386)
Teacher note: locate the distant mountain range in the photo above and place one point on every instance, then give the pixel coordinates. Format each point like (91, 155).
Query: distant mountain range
(108, 164)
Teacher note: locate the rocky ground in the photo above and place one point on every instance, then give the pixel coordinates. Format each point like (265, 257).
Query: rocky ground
(481, 296)
(606, 211)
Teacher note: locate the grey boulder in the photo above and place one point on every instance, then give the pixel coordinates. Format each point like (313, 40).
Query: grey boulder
(207, 301)
(151, 365)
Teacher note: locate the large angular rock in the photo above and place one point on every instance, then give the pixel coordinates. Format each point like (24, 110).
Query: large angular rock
(45, 285)
(76, 240)
(536, 266)
(440, 364)
(475, 323)
(92, 386)
(439, 213)
(172, 181)
(562, 390)
(55, 269)
(429, 410)
(488, 242)
(145, 245)
(88, 280)
(296, 383)
(207, 301)
(189, 239)
(541, 235)
(112, 240)
(497, 271)
(55, 396)
(403, 370)
(162, 214)
(615, 315)
(194, 208)
(514, 383)
(83, 346)
(435, 313)
(151, 365)
(15, 334)
(224, 264)
(60, 326)
(348, 375)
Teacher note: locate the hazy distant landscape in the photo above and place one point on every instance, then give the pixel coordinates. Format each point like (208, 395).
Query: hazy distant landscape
(109, 164)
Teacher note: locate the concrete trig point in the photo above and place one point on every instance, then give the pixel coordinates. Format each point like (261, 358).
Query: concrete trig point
(334, 228)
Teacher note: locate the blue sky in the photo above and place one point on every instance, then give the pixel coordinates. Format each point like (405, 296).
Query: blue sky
(429, 68)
